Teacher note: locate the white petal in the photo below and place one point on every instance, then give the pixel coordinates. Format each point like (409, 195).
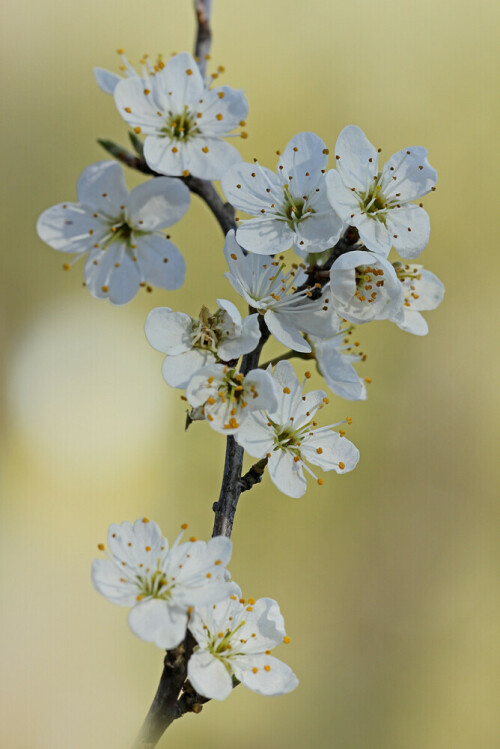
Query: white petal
(231, 309)
(136, 108)
(161, 158)
(304, 153)
(106, 80)
(358, 162)
(255, 436)
(168, 331)
(178, 370)
(265, 236)
(155, 621)
(102, 187)
(209, 676)
(285, 331)
(286, 474)
(212, 164)
(161, 263)
(108, 580)
(158, 203)
(413, 322)
(342, 198)
(182, 81)
(408, 175)
(264, 626)
(245, 186)
(334, 450)
(409, 227)
(321, 231)
(252, 672)
(374, 234)
(263, 396)
(430, 291)
(246, 341)
(123, 281)
(67, 227)
(222, 110)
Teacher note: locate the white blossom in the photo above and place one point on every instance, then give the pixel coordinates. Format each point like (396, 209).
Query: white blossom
(289, 208)
(271, 290)
(335, 357)
(119, 231)
(191, 344)
(161, 584)
(107, 80)
(183, 121)
(364, 287)
(235, 638)
(379, 203)
(228, 397)
(422, 291)
(287, 437)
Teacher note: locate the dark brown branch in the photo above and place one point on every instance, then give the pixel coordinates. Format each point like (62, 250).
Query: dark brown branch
(202, 8)
(165, 708)
(253, 476)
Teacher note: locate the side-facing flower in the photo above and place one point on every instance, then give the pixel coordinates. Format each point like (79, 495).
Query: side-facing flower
(235, 638)
(422, 291)
(108, 81)
(290, 208)
(271, 290)
(287, 437)
(364, 286)
(379, 203)
(161, 584)
(229, 397)
(183, 121)
(119, 231)
(191, 344)
(335, 357)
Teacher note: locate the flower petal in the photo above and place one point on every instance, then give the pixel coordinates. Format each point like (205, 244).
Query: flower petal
(160, 261)
(106, 80)
(246, 187)
(408, 175)
(158, 203)
(108, 580)
(356, 158)
(155, 621)
(410, 228)
(285, 331)
(286, 474)
(265, 236)
(168, 331)
(327, 449)
(264, 674)
(102, 186)
(70, 227)
(178, 370)
(209, 676)
(303, 159)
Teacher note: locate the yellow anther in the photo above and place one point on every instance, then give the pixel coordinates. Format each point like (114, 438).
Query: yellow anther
(209, 574)
(267, 668)
(286, 640)
(120, 51)
(128, 110)
(148, 548)
(267, 652)
(147, 91)
(105, 289)
(233, 598)
(233, 256)
(218, 561)
(175, 149)
(368, 379)
(137, 130)
(242, 600)
(219, 116)
(139, 598)
(308, 375)
(286, 390)
(193, 539)
(341, 466)
(243, 135)
(145, 520)
(211, 400)
(296, 458)
(189, 71)
(100, 547)
(326, 400)
(209, 417)
(251, 601)
(349, 419)
(205, 149)
(254, 670)
(184, 526)
(320, 482)
(319, 450)
(342, 432)
(185, 173)
(221, 94)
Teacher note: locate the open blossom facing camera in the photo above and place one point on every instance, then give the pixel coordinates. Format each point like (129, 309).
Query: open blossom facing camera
(183, 121)
(266, 287)
(119, 231)
(287, 436)
(379, 203)
(229, 397)
(161, 584)
(192, 344)
(290, 208)
(365, 287)
(235, 638)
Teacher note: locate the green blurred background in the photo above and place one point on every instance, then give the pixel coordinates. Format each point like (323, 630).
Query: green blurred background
(387, 577)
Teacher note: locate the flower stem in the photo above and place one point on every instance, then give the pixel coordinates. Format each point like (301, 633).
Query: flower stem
(288, 355)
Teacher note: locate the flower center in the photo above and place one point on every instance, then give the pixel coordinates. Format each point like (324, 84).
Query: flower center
(206, 332)
(368, 282)
(180, 126)
(295, 209)
(155, 585)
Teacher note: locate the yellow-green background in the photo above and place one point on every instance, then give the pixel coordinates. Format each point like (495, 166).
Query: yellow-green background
(387, 576)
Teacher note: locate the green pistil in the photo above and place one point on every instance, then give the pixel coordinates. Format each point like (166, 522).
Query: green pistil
(122, 232)
(205, 332)
(294, 208)
(181, 126)
(155, 586)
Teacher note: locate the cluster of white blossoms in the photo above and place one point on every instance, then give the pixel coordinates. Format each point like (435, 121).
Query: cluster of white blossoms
(187, 586)
(342, 222)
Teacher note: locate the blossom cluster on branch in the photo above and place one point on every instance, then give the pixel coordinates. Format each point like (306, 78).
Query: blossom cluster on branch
(341, 220)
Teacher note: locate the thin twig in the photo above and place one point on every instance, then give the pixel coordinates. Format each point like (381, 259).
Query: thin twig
(203, 8)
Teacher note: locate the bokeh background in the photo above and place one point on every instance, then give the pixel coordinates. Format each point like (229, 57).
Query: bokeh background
(388, 576)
